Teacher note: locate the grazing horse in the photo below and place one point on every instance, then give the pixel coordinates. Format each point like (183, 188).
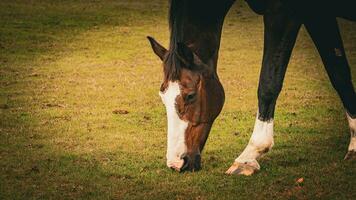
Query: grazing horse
(191, 90)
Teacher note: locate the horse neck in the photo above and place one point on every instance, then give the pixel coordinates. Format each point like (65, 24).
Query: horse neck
(199, 25)
(204, 41)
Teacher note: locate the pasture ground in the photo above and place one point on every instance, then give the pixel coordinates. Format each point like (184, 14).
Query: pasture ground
(65, 66)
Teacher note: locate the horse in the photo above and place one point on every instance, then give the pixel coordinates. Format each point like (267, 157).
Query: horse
(194, 96)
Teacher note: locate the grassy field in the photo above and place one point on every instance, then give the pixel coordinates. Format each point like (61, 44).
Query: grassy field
(67, 66)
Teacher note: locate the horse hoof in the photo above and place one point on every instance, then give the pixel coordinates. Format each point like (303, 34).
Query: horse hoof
(351, 155)
(246, 169)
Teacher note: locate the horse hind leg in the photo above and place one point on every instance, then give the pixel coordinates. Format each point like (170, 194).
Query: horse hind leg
(326, 36)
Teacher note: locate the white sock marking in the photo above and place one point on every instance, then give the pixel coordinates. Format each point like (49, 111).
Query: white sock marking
(352, 125)
(260, 141)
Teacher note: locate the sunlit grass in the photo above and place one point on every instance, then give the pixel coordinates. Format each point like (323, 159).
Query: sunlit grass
(65, 66)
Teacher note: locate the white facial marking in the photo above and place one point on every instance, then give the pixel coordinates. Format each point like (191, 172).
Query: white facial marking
(176, 146)
(352, 125)
(260, 142)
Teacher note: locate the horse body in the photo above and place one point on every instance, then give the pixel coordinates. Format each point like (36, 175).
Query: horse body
(335, 8)
(196, 95)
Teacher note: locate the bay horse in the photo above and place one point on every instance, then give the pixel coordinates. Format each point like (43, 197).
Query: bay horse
(191, 90)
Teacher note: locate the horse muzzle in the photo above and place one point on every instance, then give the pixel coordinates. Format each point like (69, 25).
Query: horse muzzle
(191, 163)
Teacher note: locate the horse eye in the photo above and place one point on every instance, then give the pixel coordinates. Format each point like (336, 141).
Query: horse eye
(190, 97)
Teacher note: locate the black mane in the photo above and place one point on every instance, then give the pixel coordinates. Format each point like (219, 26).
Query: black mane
(204, 18)
(172, 65)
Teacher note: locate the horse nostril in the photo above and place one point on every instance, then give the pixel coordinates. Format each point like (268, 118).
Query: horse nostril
(191, 164)
(185, 164)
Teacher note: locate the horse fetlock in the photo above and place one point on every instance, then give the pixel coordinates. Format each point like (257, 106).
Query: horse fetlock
(352, 145)
(264, 150)
(351, 154)
(262, 146)
(352, 124)
(253, 152)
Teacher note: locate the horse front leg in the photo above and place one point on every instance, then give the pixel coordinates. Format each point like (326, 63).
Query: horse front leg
(281, 30)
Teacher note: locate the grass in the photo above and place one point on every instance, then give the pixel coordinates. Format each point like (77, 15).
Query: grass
(65, 66)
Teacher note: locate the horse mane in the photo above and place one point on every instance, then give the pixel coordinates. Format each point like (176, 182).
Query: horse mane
(176, 15)
(195, 12)
(172, 64)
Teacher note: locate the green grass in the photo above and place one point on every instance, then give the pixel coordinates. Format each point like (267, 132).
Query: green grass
(65, 66)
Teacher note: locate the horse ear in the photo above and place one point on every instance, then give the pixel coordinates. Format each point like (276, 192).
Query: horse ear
(158, 49)
(185, 54)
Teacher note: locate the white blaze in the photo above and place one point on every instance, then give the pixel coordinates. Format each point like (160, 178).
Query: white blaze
(352, 125)
(260, 141)
(176, 127)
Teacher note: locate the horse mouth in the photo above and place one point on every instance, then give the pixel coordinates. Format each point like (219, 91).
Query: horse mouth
(176, 165)
(187, 164)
